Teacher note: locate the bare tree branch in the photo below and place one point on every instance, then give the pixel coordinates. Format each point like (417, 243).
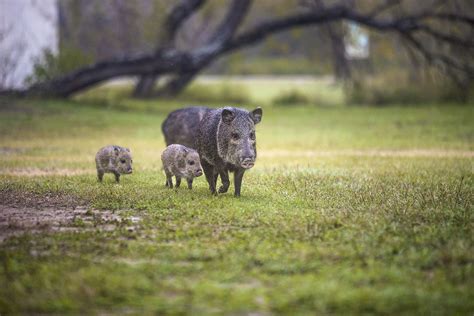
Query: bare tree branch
(178, 15)
(449, 38)
(223, 33)
(384, 6)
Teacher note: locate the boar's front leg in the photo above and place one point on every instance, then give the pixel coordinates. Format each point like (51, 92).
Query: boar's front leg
(210, 173)
(238, 175)
(225, 180)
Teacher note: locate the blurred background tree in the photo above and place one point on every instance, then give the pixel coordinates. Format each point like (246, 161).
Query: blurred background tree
(428, 43)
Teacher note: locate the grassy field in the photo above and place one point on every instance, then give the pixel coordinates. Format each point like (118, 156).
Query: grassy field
(348, 210)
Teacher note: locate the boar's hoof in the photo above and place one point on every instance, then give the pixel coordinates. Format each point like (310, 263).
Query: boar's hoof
(223, 189)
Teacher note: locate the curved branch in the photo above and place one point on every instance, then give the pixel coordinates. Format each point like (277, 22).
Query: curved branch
(161, 62)
(178, 15)
(223, 33)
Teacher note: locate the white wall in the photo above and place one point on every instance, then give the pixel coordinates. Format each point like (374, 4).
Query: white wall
(27, 27)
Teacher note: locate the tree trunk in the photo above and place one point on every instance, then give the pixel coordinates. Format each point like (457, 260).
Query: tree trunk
(176, 85)
(144, 86)
(178, 15)
(341, 67)
(335, 33)
(223, 33)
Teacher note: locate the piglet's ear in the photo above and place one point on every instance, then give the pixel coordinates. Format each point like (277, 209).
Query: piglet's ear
(116, 150)
(256, 115)
(228, 115)
(127, 149)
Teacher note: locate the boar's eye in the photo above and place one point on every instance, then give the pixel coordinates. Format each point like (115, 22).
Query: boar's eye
(123, 161)
(235, 136)
(252, 136)
(190, 162)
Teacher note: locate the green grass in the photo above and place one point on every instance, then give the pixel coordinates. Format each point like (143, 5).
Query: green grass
(348, 210)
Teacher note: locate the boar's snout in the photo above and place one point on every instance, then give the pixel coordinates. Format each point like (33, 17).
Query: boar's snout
(247, 162)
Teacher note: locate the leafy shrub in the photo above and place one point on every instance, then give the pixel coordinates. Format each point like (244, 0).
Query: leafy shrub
(290, 98)
(51, 65)
(119, 96)
(398, 89)
(273, 66)
(220, 93)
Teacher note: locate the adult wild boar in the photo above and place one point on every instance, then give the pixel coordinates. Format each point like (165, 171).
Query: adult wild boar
(226, 142)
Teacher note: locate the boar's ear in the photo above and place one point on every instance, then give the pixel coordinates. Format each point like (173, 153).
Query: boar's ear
(116, 150)
(228, 115)
(127, 149)
(256, 115)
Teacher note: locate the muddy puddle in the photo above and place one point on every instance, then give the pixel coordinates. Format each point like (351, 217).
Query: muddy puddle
(15, 221)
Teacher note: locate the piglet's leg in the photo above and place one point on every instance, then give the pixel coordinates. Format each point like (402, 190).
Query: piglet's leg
(178, 181)
(169, 180)
(100, 175)
(117, 176)
(190, 183)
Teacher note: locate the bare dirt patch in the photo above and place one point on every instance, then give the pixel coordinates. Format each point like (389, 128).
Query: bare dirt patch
(19, 199)
(37, 172)
(15, 221)
(27, 212)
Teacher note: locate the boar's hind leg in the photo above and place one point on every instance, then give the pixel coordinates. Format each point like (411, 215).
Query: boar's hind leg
(239, 174)
(225, 181)
(211, 175)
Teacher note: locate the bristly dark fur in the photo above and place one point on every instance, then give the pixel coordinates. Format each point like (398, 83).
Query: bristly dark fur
(181, 126)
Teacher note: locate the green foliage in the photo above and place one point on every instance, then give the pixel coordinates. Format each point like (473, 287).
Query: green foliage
(51, 65)
(393, 87)
(215, 93)
(292, 97)
(238, 65)
(118, 97)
